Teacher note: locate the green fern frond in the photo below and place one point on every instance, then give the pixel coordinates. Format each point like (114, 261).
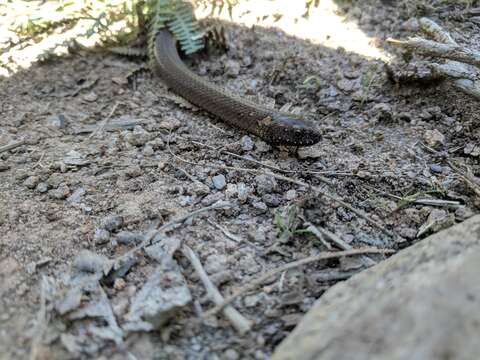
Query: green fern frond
(178, 16)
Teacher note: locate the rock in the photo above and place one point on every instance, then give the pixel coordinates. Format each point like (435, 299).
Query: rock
(290, 194)
(42, 187)
(421, 303)
(75, 158)
(232, 68)
(247, 143)
(434, 138)
(60, 193)
(435, 168)
(101, 236)
(138, 137)
(219, 182)
(265, 184)
(215, 263)
(472, 150)
(271, 200)
(128, 238)
(112, 222)
(163, 295)
(310, 152)
(383, 112)
(31, 182)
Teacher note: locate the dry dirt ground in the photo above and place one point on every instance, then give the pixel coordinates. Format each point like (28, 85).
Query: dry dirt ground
(67, 189)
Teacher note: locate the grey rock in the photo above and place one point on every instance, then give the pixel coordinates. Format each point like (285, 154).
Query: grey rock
(101, 236)
(260, 207)
(219, 182)
(290, 194)
(232, 68)
(164, 293)
(247, 143)
(310, 152)
(215, 263)
(271, 200)
(75, 158)
(265, 184)
(434, 138)
(421, 303)
(42, 187)
(139, 136)
(31, 182)
(129, 237)
(60, 193)
(112, 222)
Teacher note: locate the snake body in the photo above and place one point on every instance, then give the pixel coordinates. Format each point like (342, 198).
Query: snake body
(274, 127)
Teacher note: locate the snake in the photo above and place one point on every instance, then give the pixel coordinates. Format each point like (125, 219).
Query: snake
(272, 126)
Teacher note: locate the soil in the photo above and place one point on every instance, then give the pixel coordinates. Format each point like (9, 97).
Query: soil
(382, 142)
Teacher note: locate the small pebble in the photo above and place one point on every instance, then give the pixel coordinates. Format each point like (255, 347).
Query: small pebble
(231, 354)
(31, 182)
(260, 206)
(219, 182)
(434, 138)
(265, 184)
(101, 236)
(112, 222)
(247, 143)
(290, 195)
(42, 187)
(271, 200)
(128, 237)
(436, 168)
(232, 68)
(119, 284)
(60, 193)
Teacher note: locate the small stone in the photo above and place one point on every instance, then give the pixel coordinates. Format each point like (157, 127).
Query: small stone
(60, 193)
(215, 263)
(290, 195)
(271, 200)
(101, 236)
(42, 187)
(242, 192)
(463, 213)
(112, 222)
(119, 284)
(260, 206)
(434, 138)
(310, 152)
(148, 150)
(75, 158)
(435, 168)
(169, 124)
(90, 97)
(232, 68)
(265, 184)
(128, 237)
(347, 85)
(133, 172)
(138, 137)
(247, 143)
(472, 149)
(382, 112)
(219, 182)
(4, 166)
(31, 182)
(231, 354)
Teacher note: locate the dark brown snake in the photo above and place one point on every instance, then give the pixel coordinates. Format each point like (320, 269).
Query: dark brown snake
(272, 126)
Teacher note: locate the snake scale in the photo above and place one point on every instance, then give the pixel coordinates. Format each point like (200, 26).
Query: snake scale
(274, 127)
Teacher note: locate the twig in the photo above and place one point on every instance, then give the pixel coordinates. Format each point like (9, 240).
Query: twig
(225, 232)
(104, 122)
(12, 146)
(41, 322)
(433, 48)
(337, 241)
(151, 234)
(239, 322)
(324, 256)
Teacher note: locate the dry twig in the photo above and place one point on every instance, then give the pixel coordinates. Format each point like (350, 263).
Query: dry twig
(239, 322)
(323, 256)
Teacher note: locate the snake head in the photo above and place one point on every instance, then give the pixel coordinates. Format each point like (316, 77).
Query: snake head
(288, 129)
